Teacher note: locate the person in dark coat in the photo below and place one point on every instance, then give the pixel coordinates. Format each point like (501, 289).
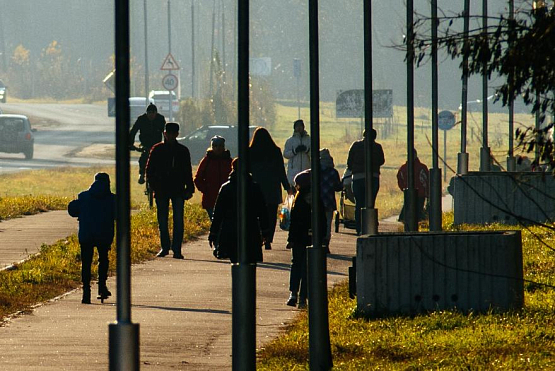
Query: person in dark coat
(268, 170)
(356, 164)
(223, 232)
(170, 176)
(96, 210)
(212, 172)
(421, 184)
(150, 127)
(300, 236)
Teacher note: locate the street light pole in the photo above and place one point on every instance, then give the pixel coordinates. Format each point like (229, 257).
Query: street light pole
(170, 99)
(147, 88)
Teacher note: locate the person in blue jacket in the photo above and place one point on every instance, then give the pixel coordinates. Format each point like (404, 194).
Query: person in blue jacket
(95, 209)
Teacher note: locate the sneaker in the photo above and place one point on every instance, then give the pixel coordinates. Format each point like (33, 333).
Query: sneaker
(292, 300)
(302, 304)
(268, 246)
(104, 292)
(162, 253)
(141, 179)
(178, 256)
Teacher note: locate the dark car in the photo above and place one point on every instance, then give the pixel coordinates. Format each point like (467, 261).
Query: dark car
(198, 141)
(3, 92)
(16, 135)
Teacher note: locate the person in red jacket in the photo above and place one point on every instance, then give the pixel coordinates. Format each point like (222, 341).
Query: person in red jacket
(421, 184)
(212, 172)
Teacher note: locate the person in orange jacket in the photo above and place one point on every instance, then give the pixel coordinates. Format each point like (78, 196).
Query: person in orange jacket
(421, 184)
(212, 172)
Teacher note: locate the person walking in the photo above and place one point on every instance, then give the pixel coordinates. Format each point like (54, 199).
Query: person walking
(300, 236)
(356, 164)
(170, 176)
(212, 172)
(330, 183)
(297, 151)
(421, 184)
(268, 171)
(96, 210)
(150, 126)
(223, 231)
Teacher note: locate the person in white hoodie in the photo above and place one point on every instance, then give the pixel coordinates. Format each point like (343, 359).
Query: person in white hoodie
(297, 151)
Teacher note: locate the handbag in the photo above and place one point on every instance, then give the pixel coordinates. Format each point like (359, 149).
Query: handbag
(285, 212)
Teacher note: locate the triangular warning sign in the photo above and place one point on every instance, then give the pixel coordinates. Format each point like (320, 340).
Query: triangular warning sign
(170, 63)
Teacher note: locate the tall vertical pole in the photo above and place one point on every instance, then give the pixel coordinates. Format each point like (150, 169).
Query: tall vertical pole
(318, 322)
(147, 87)
(223, 41)
(212, 50)
(511, 161)
(435, 171)
(193, 92)
(243, 273)
(123, 335)
(411, 220)
(170, 95)
(462, 158)
(485, 154)
(369, 212)
(2, 38)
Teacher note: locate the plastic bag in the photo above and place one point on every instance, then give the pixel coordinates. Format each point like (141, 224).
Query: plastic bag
(285, 213)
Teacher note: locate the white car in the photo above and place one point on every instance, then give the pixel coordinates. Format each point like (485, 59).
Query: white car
(161, 99)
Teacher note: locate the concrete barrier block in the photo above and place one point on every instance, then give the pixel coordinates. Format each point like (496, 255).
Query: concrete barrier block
(402, 273)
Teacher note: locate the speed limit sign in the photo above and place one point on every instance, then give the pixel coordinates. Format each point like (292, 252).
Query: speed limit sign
(170, 82)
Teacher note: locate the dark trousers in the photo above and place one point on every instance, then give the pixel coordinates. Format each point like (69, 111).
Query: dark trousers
(86, 262)
(420, 214)
(143, 160)
(297, 277)
(272, 220)
(163, 209)
(360, 197)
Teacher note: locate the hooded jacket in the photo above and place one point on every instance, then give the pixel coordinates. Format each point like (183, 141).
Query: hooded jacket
(96, 211)
(150, 132)
(212, 172)
(297, 161)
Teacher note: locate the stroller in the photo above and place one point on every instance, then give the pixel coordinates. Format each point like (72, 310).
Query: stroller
(346, 211)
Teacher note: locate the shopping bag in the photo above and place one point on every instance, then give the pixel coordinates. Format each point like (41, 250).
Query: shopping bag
(285, 212)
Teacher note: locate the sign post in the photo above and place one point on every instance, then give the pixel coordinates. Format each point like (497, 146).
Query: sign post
(170, 81)
(445, 121)
(297, 74)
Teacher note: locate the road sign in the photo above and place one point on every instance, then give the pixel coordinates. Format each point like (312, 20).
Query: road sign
(350, 103)
(260, 66)
(170, 81)
(445, 120)
(297, 67)
(170, 64)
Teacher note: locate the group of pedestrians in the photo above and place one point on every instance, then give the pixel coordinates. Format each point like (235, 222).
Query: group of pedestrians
(167, 169)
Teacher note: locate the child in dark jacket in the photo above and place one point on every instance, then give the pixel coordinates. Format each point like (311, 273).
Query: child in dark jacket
(300, 236)
(95, 209)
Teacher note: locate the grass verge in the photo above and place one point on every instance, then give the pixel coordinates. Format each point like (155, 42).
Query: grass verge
(450, 340)
(16, 206)
(57, 268)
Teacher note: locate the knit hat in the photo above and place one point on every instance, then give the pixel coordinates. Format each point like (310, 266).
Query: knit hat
(172, 127)
(217, 140)
(151, 108)
(102, 177)
(302, 179)
(326, 161)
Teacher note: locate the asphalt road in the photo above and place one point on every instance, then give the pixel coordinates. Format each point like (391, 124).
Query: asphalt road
(62, 131)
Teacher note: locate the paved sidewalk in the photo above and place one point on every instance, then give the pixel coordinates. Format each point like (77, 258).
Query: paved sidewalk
(183, 308)
(21, 237)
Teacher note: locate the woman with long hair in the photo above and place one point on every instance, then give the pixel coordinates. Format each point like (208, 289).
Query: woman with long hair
(268, 170)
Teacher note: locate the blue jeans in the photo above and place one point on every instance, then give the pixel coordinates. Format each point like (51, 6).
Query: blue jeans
(163, 207)
(359, 191)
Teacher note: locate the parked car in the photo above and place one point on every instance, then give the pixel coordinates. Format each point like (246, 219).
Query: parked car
(198, 141)
(137, 106)
(161, 99)
(16, 135)
(3, 92)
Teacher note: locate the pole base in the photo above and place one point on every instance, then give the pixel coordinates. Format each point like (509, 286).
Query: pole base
(243, 318)
(511, 163)
(123, 346)
(435, 212)
(485, 159)
(409, 214)
(462, 163)
(369, 221)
